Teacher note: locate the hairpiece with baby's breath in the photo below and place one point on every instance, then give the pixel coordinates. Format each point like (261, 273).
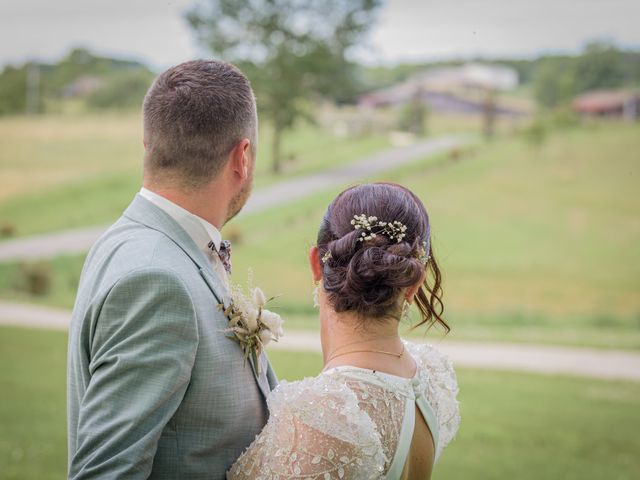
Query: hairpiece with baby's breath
(394, 230)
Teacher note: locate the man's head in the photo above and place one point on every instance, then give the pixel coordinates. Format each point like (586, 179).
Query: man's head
(200, 124)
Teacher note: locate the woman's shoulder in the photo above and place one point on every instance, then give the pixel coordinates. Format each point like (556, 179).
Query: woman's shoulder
(431, 360)
(305, 392)
(438, 378)
(326, 404)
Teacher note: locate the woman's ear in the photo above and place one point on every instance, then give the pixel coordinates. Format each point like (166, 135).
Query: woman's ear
(314, 263)
(413, 289)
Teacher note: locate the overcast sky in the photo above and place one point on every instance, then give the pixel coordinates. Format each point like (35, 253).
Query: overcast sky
(154, 30)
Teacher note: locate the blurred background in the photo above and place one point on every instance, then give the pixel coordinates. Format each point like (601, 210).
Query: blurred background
(516, 122)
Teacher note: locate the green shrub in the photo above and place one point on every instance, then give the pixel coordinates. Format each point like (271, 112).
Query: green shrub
(35, 278)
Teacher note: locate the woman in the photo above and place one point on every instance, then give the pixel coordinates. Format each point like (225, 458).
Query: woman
(382, 407)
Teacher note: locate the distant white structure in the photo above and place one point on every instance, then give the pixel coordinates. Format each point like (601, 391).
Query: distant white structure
(471, 75)
(449, 89)
(498, 77)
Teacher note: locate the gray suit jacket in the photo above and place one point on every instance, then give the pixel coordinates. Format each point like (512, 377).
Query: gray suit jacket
(155, 388)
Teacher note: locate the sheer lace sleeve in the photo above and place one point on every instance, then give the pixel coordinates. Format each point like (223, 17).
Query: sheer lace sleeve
(316, 430)
(441, 389)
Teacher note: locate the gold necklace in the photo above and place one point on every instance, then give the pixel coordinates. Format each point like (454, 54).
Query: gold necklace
(397, 355)
(395, 335)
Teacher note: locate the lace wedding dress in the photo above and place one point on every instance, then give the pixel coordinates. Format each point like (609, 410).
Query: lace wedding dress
(352, 423)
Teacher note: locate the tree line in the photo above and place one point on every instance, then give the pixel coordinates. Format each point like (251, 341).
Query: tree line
(38, 87)
(295, 53)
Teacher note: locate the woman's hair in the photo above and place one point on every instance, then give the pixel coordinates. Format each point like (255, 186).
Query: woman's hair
(367, 265)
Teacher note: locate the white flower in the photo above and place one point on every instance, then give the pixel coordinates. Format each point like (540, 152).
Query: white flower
(251, 319)
(250, 324)
(258, 297)
(265, 337)
(274, 322)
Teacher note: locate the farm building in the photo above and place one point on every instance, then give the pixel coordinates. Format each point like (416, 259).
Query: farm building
(609, 103)
(449, 90)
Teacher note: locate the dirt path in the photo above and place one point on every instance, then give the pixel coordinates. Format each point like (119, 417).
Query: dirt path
(552, 360)
(80, 240)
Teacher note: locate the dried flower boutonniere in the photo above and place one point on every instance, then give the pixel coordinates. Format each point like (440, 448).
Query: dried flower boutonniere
(250, 324)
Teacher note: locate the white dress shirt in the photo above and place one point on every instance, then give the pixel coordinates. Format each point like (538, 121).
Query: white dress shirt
(200, 231)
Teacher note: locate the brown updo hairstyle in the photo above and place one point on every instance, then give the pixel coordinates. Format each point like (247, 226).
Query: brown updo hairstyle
(368, 277)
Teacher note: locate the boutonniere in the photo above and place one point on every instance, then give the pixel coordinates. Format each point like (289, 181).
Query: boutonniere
(250, 324)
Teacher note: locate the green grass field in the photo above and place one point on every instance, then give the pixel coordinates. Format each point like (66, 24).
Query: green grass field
(536, 244)
(62, 171)
(514, 425)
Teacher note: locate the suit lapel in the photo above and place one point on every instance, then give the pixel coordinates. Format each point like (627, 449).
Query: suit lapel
(146, 213)
(215, 285)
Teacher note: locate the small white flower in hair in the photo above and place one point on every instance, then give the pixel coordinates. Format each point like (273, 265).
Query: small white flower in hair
(394, 230)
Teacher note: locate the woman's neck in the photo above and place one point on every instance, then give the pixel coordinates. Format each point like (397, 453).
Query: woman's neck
(367, 343)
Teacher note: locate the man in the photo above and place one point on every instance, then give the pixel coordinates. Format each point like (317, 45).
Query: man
(155, 387)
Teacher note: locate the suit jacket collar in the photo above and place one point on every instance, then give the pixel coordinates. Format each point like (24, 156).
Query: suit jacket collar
(201, 231)
(146, 213)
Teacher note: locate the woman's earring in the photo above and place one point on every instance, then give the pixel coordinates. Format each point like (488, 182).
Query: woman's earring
(316, 303)
(405, 310)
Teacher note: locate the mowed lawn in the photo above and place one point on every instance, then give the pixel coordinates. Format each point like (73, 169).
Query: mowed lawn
(514, 425)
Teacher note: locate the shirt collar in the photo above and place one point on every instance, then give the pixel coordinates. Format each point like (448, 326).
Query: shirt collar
(201, 231)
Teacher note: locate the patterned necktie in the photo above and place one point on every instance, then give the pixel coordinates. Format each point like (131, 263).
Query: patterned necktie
(224, 252)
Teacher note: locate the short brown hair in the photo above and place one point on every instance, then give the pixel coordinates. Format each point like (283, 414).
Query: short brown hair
(194, 114)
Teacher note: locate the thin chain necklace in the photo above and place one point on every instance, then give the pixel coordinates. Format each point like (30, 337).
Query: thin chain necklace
(395, 335)
(394, 354)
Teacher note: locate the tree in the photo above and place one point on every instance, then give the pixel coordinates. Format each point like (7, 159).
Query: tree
(489, 114)
(293, 51)
(122, 89)
(599, 66)
(414, 115)
(13, 90)
(554, 82)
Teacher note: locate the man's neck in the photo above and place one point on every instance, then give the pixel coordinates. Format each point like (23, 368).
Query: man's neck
(198, 202)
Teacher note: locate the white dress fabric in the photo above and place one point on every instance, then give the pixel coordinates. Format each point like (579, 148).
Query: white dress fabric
(351, 423)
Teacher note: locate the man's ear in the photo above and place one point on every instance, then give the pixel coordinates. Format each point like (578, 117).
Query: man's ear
(240, 159)
(413, 289)
(314, 262)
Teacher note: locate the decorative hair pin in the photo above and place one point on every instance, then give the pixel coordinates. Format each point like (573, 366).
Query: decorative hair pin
(423, 256)
(326, 256)
(394, 230)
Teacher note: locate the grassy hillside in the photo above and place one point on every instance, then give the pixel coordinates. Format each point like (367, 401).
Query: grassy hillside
(513, 425)
(536, 244)
(67, 171)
